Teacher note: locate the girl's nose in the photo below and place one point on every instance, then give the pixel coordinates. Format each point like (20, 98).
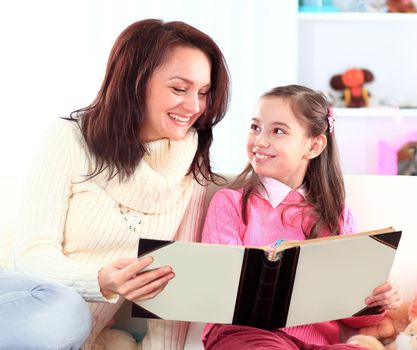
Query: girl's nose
(261, 140)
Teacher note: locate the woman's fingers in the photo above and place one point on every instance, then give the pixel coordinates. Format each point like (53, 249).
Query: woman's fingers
(146, 281)
(122, 262)
(151, 289)
(135, 267)
(126, 276)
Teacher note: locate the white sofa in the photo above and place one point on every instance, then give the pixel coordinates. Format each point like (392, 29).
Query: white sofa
(376, 201)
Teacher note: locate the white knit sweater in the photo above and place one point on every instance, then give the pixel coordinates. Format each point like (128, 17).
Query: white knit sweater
(72, 228)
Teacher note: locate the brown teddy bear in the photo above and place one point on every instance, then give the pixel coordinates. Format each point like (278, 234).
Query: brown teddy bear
(396, 331)
(401, 6)
(351, 82)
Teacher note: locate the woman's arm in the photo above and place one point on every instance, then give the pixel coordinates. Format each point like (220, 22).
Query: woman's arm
(44, 214)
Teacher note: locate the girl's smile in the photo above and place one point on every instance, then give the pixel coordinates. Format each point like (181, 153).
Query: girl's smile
(277, 142)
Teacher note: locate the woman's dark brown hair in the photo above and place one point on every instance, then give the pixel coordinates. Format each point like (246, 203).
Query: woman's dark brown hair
(111, 124)
(323, 181)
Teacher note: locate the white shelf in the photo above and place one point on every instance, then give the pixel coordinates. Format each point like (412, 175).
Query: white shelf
(330, 43)
(357, 17)
(379, 112)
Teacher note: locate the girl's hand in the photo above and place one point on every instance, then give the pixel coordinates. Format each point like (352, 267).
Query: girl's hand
(387, 295)
(125, 277)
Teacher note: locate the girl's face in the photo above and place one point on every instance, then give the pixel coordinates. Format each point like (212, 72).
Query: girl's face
(278, 146)
(176, 94)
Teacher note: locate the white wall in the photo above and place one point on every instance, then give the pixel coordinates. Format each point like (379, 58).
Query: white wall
(54, 55)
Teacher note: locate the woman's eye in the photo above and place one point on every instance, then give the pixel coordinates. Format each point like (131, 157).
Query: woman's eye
(203, 93)
(278, 131)
(179, 90)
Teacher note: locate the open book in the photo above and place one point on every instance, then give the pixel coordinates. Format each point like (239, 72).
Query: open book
(298, 283)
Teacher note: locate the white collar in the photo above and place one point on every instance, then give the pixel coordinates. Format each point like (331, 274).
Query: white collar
(275, 191)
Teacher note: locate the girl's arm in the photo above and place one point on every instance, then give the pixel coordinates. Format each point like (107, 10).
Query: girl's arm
(223, 224)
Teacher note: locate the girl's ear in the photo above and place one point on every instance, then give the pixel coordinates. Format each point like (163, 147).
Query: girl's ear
(318, 144)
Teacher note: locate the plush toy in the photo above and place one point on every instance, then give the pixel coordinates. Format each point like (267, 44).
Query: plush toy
(401, 6)
(406, 340)
(393, 322)
(392, 332)
(351, 83)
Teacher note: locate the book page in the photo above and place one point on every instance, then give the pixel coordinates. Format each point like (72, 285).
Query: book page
(332, 283)
(205, 285)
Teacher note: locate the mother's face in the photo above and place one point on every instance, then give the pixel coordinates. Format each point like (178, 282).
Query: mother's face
(176, 94)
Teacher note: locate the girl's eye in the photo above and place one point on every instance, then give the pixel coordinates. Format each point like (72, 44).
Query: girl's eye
(203, 93)
(278, 131)
(254, 127)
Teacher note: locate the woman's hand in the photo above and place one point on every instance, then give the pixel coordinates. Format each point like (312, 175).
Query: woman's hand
(125, 277)
(387, 295)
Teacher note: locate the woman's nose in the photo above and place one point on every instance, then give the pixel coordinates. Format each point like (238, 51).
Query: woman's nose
(192, 103)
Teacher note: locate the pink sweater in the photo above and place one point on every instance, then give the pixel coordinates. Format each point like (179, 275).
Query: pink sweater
(224, 225)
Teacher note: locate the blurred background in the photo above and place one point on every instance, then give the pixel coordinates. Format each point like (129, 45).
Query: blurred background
(54, 55)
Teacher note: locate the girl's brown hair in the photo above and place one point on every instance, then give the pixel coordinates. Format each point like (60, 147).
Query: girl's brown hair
(323, 181)
(111, 123)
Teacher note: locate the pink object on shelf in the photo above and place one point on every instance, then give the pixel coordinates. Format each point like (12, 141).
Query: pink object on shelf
(387, 154)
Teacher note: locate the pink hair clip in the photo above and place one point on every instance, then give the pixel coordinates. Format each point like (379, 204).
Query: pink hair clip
(331, 119)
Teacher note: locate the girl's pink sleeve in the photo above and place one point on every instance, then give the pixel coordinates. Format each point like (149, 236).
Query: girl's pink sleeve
(363, 321)
(223, 224)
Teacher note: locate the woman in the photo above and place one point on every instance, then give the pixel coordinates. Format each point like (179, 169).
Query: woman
(40, 314)
(131, 164)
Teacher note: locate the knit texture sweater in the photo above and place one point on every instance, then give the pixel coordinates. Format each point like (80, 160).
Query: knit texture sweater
(72, 227)
(274, 212)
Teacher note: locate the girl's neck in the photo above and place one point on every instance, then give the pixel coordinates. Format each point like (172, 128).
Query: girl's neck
(292, 183)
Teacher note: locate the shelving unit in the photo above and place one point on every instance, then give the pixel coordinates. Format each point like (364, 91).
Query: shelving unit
(379, 112)
(330, 43)
(357, 17)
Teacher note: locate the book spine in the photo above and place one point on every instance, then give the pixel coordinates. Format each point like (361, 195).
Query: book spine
(285, 283)
(265, 291)
(251, 269)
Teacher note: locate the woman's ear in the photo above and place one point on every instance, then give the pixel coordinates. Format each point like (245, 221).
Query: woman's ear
(318, 144)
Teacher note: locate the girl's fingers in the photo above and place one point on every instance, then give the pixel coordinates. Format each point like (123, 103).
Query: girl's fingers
(385, 287)
(387, 295)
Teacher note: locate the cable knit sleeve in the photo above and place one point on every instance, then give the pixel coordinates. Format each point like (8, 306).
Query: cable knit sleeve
(224, 224)
(171, 335)
(44, 214)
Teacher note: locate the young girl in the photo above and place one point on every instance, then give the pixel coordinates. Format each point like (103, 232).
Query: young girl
(292, 189)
